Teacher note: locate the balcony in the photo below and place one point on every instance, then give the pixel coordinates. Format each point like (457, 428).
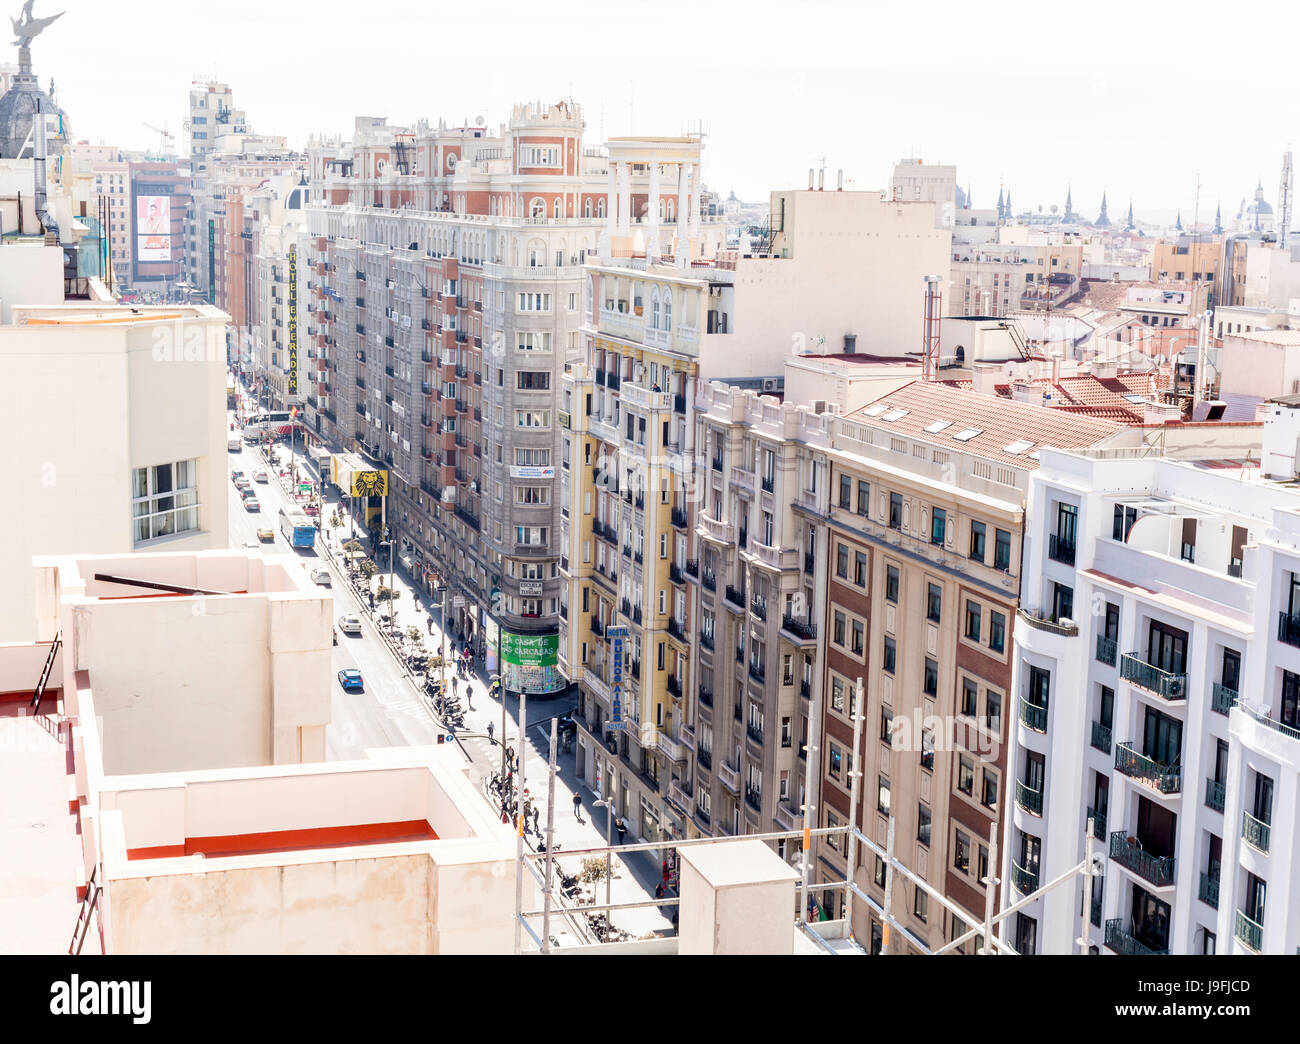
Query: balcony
(800, 632)
(1125, 944)
(774, 557)
(754, 799)
(742, 479)
(735, 596)
(670, 748)
(1106, 650)
(643, 398)
(1127, 851)
(674, 686)
(729, 776)
(1209, 893)
(758, 607)
(805, 689)
(1029, 799)
(709, 580)
(787, 818)
(1249, 932)
(1222, 699)
(702, 818)
(712, 529)
(1033, 716)
(754, 732)
(1255, 832)
(1288, 629)
(706, 640)
(757, 671)
(1165, 779)
(809, 563)
(680, 795)
(1214, 795)
(704, 758)
(596, 628)
(1060, 549)
(1166, 685)
(1101, 737)
(1098, 823)
(1022, 880)
(676, 629)
(678, 517)
(675, 574)
(706, 696)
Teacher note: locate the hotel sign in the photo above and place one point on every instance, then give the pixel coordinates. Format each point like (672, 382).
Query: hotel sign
(293, 320)
(616, 635)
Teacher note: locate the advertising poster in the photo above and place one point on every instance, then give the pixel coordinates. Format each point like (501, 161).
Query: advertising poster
(153, 228)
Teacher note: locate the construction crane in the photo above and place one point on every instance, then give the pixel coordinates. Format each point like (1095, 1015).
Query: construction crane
(1284, 201)
(165, 137)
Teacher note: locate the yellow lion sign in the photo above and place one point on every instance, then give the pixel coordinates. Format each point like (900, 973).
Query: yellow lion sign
(369, 484)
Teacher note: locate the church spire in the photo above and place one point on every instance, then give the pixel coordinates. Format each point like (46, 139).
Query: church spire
(1218, 221)
(1103, 221)
(1069, 204)
(1178, 222)
(1128, 223)
(1010, 213)
(1001, 206)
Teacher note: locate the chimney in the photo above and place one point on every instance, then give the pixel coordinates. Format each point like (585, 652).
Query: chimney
(812, 174)
(1056, 366)
(984, 378)
(839, 181)
(821, 180)
(1024, 392)
(1159, 413)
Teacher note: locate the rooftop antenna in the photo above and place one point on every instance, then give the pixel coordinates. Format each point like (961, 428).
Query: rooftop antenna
(1196, 212)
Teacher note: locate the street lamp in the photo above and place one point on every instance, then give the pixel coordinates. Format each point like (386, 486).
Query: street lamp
(608, 805)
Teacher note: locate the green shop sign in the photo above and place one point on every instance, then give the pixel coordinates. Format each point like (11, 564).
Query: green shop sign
(530, 650)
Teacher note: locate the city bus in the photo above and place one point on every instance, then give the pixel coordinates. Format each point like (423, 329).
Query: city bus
(297, 528)
(259, 425)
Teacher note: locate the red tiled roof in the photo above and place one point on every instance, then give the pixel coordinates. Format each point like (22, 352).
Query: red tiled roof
(1096, 396)
(1001, 422)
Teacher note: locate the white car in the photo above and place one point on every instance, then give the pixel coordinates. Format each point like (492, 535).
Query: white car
(321, 575)
(260, 476)
(349, 625)
(233, 444)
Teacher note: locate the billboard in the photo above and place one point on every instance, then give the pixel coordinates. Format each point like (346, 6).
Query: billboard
(153, 228)
(528, 662)
(369, 484)
(293, 321)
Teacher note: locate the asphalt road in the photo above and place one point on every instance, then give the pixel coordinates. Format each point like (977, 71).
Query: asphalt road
(389, 713)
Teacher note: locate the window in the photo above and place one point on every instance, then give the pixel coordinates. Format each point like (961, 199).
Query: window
(887, 661)
(977, 541)
(895, 511)
(891, 584)
(860, 569)
(533, 380)
(838, 686)
(1125, 516)
(934, 602)
(938, 526)
(882, 795)
(923, 824)
(965, 775)
(997, 632)
(1002, 550)
(931, 683)
(989, 794)
(921, 908)
(532, 495)
(165, 500)
(993, 711)
(846, 492)
(973, 617)
(859, 639)
(841, 622)
(842, 561)
(969, 698)
(533, 342)
(886, 724)
(961, 854)
(879, 876)
(532, 418)
(927, 749)
(534, 302)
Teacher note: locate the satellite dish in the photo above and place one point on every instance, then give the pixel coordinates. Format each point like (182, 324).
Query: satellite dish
(480, 120)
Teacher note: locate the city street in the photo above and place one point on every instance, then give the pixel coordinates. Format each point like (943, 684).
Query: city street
(392, 711)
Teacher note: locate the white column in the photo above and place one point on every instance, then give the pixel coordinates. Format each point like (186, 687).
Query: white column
(693, 217)
(652, 234)
(682, 249)
(611, 198)
(625, 197)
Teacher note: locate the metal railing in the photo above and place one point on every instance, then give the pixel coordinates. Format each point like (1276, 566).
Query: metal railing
(1222, 699)
(1106, 649)
(1060, 549)
(1127, 851)
(1215, 793)
(1101, 737)
(1032, 715)
(1126, 944)
(1209, 892)
(1250, 932)
(1022, 880)
(1167, 779)
(1029, 799)
(1255, 832)
(1288, 628)
(1098, 823)
(1165, 684)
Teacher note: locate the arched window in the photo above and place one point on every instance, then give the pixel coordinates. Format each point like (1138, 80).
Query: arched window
(555, 210)
(600, 208)
(538, 208)
(668, 311)
(654, 309)
(671, 208)
(586, 208)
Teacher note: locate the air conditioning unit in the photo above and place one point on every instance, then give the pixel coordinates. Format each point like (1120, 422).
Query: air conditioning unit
(770, 383)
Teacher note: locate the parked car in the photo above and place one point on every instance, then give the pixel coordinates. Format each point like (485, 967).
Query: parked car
(320, 575)
(247, 492)
(251, 504)
(260, 476)
(265, 533)
(236, 475)
(351, 681)
(233, 444)
(350, 625)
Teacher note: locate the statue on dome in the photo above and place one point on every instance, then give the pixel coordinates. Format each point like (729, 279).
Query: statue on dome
(27, 27)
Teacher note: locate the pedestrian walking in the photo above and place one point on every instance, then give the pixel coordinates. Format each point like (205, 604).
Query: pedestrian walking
(491, 730)
(454, 684)
(620, 828)
(659, 890)
(577, 807)
(537, 812)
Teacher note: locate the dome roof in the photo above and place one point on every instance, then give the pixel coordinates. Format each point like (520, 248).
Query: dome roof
(1260, 207)
(18, 106)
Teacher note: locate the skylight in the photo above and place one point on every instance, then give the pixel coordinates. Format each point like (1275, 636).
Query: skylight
(938, 426)
(875, 411)
(1018, 447)
(966, 434)
(1135, 398)
(894, 415)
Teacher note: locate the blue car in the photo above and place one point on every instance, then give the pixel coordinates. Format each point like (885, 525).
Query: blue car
(351, 681)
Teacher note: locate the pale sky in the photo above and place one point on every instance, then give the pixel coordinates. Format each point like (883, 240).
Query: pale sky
(1131, 97)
